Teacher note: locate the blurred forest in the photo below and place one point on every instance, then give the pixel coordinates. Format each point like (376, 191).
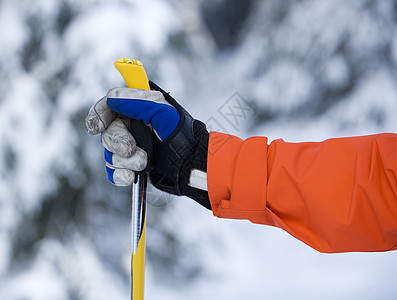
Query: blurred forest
(309, 69)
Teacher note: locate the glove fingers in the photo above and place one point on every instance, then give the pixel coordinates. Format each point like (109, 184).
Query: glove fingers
(119, 177)
(99, 117)
(147, 106)
(131, 93)
(136, 162)
(117, 139)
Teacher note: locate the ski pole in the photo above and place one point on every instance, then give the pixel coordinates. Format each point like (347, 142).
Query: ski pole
(135, 76)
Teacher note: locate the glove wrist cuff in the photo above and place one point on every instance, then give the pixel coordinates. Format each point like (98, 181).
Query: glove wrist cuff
(196, 163)
(184, 150)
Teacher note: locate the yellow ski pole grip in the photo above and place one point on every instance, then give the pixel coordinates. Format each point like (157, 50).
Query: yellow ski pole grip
(135, 76)
(133, 73)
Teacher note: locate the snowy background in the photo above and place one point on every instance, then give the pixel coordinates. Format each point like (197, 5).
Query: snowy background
(309, 69)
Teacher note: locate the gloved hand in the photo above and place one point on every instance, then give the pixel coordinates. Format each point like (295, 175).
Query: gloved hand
(180, 143)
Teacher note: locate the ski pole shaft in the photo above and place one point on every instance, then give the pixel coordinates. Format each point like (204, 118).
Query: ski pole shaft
(138, 245)
(135, 76)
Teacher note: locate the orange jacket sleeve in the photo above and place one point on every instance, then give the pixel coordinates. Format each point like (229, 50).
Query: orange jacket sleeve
(339, 195)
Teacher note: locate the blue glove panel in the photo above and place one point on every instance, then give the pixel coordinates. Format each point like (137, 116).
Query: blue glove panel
(163, 118)
(108, 156)
(109, 173)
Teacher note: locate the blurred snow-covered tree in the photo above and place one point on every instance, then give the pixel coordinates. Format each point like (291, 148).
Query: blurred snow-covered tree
(60, 221)
(316, 65)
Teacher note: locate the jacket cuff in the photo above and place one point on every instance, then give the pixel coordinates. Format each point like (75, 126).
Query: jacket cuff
(237, 176)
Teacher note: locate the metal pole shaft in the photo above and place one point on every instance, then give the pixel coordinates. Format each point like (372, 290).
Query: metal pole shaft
(138, 204)
(138, 237)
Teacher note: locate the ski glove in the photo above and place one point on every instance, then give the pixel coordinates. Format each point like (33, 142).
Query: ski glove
(177, 162)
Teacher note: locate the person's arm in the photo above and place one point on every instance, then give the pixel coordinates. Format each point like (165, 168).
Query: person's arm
(339, 195)
(336, 196)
